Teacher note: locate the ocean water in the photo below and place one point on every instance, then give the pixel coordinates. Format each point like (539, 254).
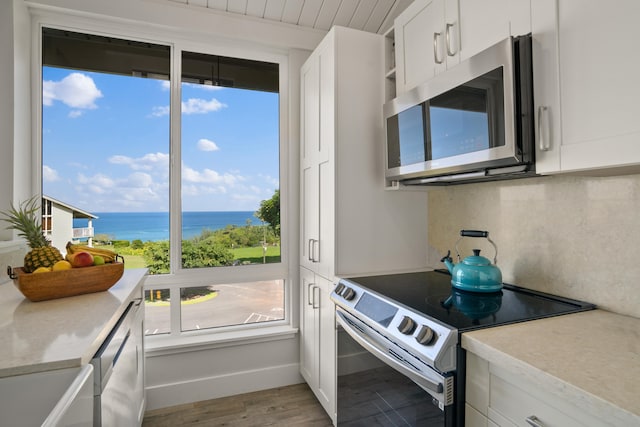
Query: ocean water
(153, 226)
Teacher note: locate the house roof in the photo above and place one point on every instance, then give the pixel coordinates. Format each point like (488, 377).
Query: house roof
(77, 212)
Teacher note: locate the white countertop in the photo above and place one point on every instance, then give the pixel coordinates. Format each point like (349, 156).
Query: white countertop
(60, 333)
(590, 359)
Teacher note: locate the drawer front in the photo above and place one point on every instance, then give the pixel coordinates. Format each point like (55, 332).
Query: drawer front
(516, 405)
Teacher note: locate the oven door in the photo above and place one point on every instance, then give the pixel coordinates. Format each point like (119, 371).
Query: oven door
(387, 389)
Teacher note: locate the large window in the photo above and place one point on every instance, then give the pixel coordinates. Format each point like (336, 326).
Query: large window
(183, 193)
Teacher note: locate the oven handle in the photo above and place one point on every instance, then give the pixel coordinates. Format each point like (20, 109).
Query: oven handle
(426, 383)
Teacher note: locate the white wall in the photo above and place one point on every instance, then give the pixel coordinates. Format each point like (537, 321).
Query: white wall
(15, 128)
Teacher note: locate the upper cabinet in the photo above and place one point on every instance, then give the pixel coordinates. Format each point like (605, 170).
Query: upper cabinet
(585, 66)
(485, 23)
(434, 35)
(426, 41)
(349, 223)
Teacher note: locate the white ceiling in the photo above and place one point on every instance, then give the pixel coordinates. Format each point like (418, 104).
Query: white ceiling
(374, 16)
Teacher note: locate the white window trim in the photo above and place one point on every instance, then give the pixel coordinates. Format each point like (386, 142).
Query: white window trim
(179, 277)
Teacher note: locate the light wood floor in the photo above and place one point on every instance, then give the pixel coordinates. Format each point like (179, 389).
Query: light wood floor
(285, 406)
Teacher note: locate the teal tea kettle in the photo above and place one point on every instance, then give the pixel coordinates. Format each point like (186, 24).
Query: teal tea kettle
(474, 273)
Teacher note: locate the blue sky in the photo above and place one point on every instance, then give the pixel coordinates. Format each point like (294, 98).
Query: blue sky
(106, 144)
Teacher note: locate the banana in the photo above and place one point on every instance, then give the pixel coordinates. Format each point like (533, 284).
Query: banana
(108, 255)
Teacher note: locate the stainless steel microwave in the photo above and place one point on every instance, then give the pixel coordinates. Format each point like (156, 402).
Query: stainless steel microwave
(473, 122)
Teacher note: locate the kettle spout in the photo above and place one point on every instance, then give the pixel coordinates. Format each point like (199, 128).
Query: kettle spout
(448, 261)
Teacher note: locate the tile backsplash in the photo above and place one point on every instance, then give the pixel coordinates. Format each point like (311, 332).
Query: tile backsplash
(577, 237)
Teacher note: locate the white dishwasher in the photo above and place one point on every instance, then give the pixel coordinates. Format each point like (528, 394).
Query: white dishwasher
(119, 372)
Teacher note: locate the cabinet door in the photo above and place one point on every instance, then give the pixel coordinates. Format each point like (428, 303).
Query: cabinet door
(308, 328)
(598, 112)
(483, 24)
(420, 49)
(327, 371)
(309, 154)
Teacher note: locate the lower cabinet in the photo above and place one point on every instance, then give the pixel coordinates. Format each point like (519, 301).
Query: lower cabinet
(318, 339)
(496, 397)
(62, 397)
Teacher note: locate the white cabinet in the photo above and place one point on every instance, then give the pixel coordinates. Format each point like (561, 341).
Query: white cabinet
(497, 397)
(485, 23)
(318, 339)
(53, 398)
(426, 41)
(434, 35)
(350, 224)
(585, 68)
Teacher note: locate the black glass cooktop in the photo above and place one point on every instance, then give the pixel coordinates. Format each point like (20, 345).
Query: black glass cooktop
(431, 293)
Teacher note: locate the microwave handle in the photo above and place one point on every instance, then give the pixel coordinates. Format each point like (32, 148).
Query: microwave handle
(544, 135)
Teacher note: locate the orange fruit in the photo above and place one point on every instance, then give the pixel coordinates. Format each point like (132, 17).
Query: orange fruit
(61, 265)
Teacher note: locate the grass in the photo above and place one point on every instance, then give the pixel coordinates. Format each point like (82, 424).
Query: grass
(252, 255)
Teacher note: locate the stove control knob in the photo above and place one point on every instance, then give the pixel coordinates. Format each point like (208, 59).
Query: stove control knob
(407, 325)
(426, 336)
(339, 288)
(348, 294)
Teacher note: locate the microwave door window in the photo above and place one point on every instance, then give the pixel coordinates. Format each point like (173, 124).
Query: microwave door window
(406, 132)
(467, 118)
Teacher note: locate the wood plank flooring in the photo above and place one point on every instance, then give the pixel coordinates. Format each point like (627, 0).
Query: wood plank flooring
(293, 405)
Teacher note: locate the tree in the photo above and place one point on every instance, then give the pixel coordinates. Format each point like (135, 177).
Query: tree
(269, 212)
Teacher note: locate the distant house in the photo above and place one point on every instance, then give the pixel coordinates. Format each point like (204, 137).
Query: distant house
(57, 223)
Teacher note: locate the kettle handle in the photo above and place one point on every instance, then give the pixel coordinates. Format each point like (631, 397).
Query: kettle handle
(474, 233)
(477, 233)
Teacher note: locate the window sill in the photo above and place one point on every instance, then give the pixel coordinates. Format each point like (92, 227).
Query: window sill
(165, 345)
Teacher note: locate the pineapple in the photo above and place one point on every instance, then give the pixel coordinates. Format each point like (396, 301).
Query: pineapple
(26, 219)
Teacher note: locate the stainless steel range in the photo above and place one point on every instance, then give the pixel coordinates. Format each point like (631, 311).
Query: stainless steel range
(412, 324)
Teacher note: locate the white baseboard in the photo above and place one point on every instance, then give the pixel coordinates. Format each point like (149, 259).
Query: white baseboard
(165, 395)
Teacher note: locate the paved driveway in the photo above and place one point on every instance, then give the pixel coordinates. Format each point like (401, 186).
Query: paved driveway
(234, 304)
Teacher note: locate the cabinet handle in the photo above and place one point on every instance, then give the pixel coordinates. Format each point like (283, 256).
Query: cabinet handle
(436, 36)
(309, 249)
(316, 288)
(544, 136)
(533, 421)
(316, 245)
(447, 33)
(310, 294)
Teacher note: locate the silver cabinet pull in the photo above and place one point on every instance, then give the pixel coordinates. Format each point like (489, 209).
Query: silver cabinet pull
(544, 135)
(310, 294)
(447, 33)
(533, 421)
(316, 288)
(309, 249)
(436, 36)
(316, 251)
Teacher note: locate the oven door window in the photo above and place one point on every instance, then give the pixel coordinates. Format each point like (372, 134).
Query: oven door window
(468, 118)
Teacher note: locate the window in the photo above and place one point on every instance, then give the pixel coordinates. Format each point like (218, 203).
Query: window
(194, 197)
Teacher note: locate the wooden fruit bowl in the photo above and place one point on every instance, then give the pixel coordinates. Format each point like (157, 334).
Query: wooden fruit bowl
(66, 283)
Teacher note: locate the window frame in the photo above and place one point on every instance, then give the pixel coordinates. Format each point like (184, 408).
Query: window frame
(179, 277)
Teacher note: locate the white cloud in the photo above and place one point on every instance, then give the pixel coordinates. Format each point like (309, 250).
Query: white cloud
(208, 176)
(207, 145)
(77, 90)
(192, 106)
(49, 174)
(74, 114)
(201, 106)
(160, 111)
(165, 85)
(147, 162)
